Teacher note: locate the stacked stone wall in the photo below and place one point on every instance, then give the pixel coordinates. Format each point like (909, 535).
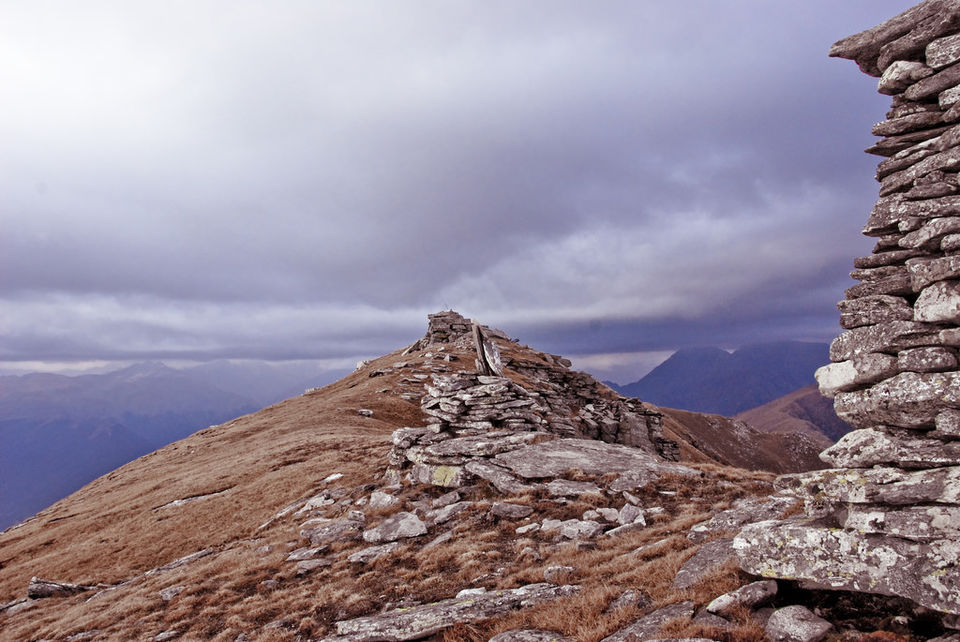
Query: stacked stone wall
(886, 517)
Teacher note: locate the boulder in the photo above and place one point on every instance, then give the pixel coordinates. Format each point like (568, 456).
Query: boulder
(926, 572)
(400, 526)
(796, 624)
(857, 372)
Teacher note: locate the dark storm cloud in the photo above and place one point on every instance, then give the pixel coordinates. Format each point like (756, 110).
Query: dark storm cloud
(311, 179)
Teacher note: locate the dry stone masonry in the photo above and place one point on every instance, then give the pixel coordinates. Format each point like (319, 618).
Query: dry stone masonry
(477, 417)
(886, 518)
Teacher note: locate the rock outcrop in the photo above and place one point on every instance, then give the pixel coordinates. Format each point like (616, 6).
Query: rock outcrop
(885, 518)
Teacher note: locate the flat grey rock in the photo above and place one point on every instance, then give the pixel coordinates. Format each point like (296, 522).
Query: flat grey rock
(399, 526)
(649, 625)
(414, 623)
(554, 458)
(709, 557)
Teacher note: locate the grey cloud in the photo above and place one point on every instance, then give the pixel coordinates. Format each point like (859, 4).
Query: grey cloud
(541, 163)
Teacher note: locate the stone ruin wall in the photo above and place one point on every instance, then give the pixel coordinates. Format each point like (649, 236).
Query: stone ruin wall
(475, 414)
(886, 517)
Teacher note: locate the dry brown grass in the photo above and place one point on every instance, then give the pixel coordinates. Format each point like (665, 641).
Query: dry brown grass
(111, 530)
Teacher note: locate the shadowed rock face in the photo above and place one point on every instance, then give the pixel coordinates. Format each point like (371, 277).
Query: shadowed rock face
(886, 518)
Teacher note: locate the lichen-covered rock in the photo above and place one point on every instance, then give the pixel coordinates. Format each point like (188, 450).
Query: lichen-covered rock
(926, 572)
(870, 447)
(745, 511)
(919, 523)
(414, 623)
(889, 337)
(857, 372)
(909, 400)
(939, 303)
(931, 359)
(796, 624)
(878, 485)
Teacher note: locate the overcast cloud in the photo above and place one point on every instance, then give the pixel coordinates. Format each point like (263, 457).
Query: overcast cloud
(610, 180)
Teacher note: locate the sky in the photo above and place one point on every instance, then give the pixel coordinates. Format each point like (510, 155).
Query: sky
(610, 181)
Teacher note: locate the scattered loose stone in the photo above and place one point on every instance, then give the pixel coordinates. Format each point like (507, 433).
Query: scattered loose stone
(399, 526)
(559, 574)
(171, 592)
(751, 596)
(646, 627)
(380, 499)
(507, 510)
(307, 566)
(372, 553)
(631, 599)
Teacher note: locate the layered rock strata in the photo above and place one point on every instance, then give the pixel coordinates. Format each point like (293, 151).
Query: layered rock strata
(886, 517)
(507, 404)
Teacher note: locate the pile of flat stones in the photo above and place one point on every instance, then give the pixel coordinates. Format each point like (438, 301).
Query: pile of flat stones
(886, 517)
(475, 417)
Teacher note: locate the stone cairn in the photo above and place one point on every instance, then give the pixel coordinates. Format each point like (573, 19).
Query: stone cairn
(886, 518)
(475, 415)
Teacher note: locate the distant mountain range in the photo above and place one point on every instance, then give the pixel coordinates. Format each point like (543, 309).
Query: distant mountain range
(57, 432)
(712, 380)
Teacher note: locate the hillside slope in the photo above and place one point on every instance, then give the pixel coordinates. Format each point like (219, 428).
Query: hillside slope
(221, 494)
(802, 411)
(60, 432)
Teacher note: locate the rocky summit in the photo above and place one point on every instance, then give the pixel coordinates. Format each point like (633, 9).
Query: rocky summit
(885, 517)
